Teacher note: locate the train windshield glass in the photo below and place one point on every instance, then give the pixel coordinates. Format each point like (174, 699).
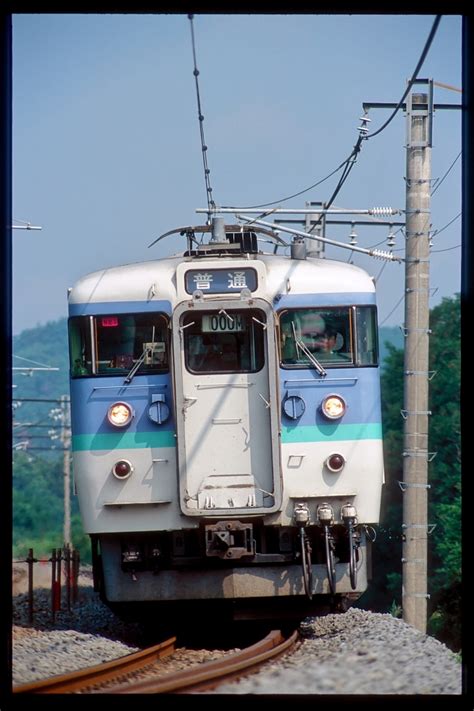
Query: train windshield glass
(224, 341)
(336, 337)
(114, 344)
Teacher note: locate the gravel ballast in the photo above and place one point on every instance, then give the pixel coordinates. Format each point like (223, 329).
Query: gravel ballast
(358, 652)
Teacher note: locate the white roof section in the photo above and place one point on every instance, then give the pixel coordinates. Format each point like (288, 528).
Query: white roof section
(314, 275)
(140, 281)
(156, 279)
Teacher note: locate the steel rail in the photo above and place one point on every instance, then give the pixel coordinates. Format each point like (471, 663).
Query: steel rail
(97, 674)
(207, 676)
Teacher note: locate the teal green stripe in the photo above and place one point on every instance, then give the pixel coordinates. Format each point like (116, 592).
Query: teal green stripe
(336, 432)
(123, 440)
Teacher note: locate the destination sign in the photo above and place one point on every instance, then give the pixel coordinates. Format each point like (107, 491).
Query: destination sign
(222, 323)
(220, 281)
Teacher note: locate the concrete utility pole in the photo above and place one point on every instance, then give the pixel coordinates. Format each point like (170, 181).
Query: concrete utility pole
(66, 441)
(415, 486)
(419, 109)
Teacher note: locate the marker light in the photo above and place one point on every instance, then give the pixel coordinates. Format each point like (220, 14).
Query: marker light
(122, 469)
(333, 407)
(335, 462)
(120, 414)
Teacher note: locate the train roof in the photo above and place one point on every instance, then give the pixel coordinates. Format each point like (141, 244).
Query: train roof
(141, 281)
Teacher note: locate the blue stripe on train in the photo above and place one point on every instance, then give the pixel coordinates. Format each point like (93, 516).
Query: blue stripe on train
(359, 387)
(91, 398)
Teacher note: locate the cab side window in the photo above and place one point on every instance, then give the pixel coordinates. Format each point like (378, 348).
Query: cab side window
(113, 344)
(324, 333)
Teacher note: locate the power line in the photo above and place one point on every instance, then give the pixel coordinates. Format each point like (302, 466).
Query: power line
(43, 366)
(394, 308)
(437, 232)
(348, 163)
(448, 249)
(446, 174)
(288, 197)
(447, 86)
(415, 74)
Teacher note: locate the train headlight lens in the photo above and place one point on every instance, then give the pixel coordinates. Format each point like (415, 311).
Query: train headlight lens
(335, 462)
(120, 414)
(333, 407)
(122, 469)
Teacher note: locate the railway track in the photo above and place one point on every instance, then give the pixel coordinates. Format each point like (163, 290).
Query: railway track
(200, 677)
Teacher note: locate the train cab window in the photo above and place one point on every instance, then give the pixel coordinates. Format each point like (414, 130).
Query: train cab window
(114, 344)
(325, 334)
(336, 337)
(224, 342)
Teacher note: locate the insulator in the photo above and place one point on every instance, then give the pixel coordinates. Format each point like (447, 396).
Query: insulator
(380, 254)
(391, 238)
(353, 237)
(364, 118)
(382, 211)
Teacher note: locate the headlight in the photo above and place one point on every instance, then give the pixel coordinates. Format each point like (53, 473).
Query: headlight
(333, 407)
(120, 414)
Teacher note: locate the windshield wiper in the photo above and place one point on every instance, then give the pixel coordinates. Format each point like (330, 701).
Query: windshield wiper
(146, 352)
(304, 349)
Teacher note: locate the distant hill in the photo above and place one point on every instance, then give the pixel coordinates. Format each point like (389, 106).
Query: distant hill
(38, 347)
(390, 334)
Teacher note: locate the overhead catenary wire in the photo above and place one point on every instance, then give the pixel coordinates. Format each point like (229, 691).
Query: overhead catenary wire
(448, 249)
(288, 197)
(446, 174)
(392, 311)
(31, 361)
(210, 201)
(437, 232)
(348, 163)
(413, 78)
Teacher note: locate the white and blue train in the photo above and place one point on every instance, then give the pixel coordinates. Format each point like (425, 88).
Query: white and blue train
(226, 427)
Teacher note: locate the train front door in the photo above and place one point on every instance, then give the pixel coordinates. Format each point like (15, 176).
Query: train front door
(226, 414)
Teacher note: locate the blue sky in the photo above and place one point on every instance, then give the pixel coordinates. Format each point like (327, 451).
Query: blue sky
(106, 146)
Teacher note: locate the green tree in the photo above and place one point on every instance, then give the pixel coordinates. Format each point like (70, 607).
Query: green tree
(38, 508)
(444, 476)
(445, 472)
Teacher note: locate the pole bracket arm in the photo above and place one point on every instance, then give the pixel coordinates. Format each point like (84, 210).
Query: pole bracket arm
(404, 485)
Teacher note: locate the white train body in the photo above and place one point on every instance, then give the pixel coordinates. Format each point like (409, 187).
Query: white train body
(198, 468)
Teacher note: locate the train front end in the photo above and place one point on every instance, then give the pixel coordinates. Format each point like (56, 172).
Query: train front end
(220, 460)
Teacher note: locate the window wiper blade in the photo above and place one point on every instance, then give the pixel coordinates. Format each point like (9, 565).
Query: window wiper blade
(304, 349)
(136, 365)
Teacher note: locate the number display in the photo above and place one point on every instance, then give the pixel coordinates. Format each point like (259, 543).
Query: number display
(220, 323)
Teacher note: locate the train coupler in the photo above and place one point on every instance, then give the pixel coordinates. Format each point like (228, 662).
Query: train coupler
(229, 540)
